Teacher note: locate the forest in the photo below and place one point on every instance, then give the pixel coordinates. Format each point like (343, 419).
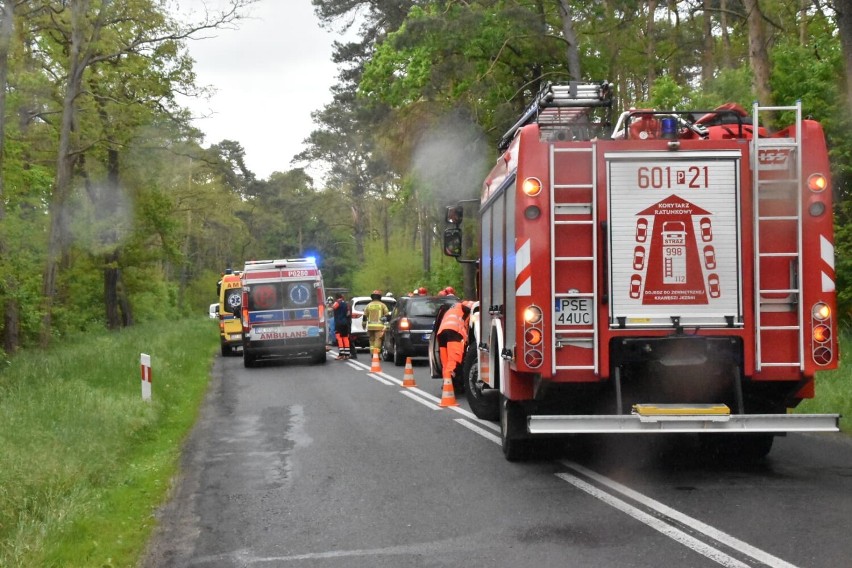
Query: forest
(113, 212)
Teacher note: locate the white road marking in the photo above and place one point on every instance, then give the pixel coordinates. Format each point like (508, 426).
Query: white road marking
(380, 379)
(657, 524)
(421, 400)
(715, 534)
(478, 430)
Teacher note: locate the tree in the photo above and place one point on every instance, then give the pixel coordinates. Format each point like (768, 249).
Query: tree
(86, 35)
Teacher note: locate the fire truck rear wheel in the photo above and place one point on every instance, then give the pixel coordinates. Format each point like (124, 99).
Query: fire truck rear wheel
(484, 402)
(513, 431)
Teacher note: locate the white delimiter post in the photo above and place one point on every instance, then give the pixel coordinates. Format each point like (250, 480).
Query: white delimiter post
(146, 376)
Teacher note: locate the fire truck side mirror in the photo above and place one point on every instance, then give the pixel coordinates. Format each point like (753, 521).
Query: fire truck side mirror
(455, 214)
(452, 241)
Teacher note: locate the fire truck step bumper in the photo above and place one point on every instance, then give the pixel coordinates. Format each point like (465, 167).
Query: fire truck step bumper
(682, 423)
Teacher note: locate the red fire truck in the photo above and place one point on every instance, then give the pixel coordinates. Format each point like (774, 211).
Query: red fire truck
(671, 274)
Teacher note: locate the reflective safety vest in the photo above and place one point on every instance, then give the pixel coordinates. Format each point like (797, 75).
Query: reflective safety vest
(373, 314)
(454, 321)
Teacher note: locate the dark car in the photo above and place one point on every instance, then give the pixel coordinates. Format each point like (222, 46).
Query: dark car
(410, 327)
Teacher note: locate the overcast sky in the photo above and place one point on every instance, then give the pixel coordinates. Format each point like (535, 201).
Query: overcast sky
(269, 74)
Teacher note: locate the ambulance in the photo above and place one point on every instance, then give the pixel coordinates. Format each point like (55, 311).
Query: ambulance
(283, 312)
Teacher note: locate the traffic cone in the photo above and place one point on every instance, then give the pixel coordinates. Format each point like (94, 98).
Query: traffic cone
(408, 376)
(448, 395)
(375, 366)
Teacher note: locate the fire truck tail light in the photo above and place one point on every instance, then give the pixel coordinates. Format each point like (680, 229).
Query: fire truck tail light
(816, 209)
(821, 311)
(533, 337)
(532, 315)
(822, 333)
(532, 212)
(817, 182)
(531, 186)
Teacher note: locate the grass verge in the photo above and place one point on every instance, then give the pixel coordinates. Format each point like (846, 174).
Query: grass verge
(84, 462)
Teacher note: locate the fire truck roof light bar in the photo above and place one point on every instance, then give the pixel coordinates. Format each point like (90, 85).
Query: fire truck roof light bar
(669, 424)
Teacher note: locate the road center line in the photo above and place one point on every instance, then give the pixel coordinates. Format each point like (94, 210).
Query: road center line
(474, 428)
(720, 536)
(657, 524)
(421, 400)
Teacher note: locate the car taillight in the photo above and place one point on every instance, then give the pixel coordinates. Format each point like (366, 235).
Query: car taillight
(404, 323)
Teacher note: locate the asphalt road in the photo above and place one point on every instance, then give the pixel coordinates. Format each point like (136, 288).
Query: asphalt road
(295, 465)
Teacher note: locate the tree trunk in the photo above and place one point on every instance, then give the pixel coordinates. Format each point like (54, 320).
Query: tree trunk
(726, 37)
(844, 28)
(651, 47)
(11, 323)
(111, 274)
(66, 158)
(572, 45)
(707, 57)
(426, 240)
(757, 53)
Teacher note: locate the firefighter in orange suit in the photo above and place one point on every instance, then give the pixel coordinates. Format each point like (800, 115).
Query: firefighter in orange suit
(452, 336)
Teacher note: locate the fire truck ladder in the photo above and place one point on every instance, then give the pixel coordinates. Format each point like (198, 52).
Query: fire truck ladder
(769, 297)
(582, 210)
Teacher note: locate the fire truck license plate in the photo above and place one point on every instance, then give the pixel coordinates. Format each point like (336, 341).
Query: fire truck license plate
(573, 311)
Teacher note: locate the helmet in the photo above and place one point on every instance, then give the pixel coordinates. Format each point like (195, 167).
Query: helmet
(442, 293)
(423, 291)
(450, 291)
(329, 300)
(376, 295)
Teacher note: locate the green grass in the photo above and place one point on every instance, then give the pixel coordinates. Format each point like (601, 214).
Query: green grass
(84, 462)
(834, 389)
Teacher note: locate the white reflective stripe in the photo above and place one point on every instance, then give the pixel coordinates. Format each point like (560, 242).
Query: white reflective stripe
(522, 258)
(525, 289)
(826, 251)
(827, 283)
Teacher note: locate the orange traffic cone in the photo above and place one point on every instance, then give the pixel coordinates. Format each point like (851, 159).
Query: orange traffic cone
(408, 376)
(375, 366)
(448, 395)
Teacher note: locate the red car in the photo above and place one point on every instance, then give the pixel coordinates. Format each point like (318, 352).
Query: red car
(635, 286)
(641, 230)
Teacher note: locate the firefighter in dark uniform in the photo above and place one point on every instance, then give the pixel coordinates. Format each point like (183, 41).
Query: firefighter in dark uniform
(342, 327)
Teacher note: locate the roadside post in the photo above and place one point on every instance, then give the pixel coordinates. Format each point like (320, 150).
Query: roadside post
(146, 376)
